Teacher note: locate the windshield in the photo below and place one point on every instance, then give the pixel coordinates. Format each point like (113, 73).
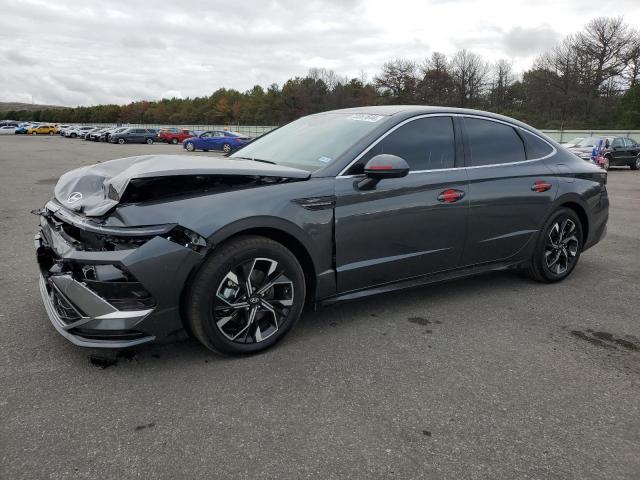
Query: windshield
(312, 142)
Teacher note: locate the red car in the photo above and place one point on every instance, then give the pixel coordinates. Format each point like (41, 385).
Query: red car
(175, 136)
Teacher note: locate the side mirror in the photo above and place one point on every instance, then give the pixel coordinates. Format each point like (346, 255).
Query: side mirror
(380, 167)
(386, 166)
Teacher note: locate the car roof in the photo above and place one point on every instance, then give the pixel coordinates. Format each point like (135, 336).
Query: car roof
(407, 111)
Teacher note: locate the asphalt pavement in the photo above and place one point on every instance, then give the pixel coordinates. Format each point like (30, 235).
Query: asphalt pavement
(493, 377)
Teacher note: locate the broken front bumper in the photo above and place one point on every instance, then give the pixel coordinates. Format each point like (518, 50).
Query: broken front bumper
(112, 314)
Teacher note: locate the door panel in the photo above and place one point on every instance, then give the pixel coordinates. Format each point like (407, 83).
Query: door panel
(504, 212)
(398, 230)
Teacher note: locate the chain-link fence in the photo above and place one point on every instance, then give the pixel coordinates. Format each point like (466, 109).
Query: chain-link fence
(564, 136)
(248, 130)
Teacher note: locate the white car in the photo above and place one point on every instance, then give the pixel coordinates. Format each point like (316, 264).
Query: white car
(7, 130)
(77, 132)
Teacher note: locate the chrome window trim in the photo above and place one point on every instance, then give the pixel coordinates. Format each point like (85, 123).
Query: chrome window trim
(463, 115)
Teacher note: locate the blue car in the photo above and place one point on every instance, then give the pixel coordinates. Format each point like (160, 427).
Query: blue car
(215, 140)
(22, 128)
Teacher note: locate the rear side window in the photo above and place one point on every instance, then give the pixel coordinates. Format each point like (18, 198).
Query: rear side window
(535, 146)
(426, 144)
(493, 143)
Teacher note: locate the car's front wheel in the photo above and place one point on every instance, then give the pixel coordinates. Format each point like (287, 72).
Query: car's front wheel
(558, 247)
(121, 141)
(248, 294)
(34, 133)
(190, 146)
(635, 165)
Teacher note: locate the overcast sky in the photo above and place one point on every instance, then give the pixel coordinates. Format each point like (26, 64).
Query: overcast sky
(68, 52)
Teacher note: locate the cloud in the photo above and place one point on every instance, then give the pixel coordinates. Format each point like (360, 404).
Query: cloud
(74, 52)
(521, 41)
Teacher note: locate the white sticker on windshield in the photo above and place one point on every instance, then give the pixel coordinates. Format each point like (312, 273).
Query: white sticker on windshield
(364, 117)
(324, 159)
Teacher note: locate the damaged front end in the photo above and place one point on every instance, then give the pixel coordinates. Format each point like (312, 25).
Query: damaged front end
(112, 287)
(112, 252)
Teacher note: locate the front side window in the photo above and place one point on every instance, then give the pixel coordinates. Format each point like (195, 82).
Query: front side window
(425, 144)
(617, 142)
(493, 143)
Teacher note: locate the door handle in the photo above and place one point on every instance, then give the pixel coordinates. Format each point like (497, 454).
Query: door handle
(541, 186)
(450, 195)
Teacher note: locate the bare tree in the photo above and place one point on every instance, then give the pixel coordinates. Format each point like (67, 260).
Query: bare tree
(502, 78)
(436, 85)
(631, 74)
(469, 72)
(397, 80)
(602, 46)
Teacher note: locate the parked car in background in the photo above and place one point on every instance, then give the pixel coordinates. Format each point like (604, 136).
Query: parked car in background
(22, 128)
(617, 151)
(175, 137)
(42, 130)
(9, 123)
(7, 130)
(94, 135)
(77, 132)
(133, 135)
(572, 143)
(216, 140)
(85, 135)
(104, 136)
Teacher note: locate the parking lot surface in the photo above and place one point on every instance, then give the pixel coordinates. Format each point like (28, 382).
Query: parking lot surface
(490, 377)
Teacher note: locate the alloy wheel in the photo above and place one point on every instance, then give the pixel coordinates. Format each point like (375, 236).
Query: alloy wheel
(253, 301)
(190, 147)
(226, 148)
(561, 247)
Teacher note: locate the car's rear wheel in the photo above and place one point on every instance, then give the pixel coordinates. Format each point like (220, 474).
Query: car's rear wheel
(607, 163)
(635, 165)
(248, 294)
(50, 133)
(121, 141)
(190, 146)
(226, 148)
(174, 141)
(34, 133)
(149, 141)
(558, 247)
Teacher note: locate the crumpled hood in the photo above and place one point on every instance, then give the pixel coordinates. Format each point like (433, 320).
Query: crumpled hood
(96, 189)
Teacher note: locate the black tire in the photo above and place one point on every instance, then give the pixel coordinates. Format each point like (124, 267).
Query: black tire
(174, 141)
(149, 141)
(565, 250)
(73, 135)
(50, 133)
(121, 141)
(635, 165)
(226, 148)
(235, 326)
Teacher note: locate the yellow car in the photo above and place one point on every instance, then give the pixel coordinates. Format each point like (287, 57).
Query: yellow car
(42, 130)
